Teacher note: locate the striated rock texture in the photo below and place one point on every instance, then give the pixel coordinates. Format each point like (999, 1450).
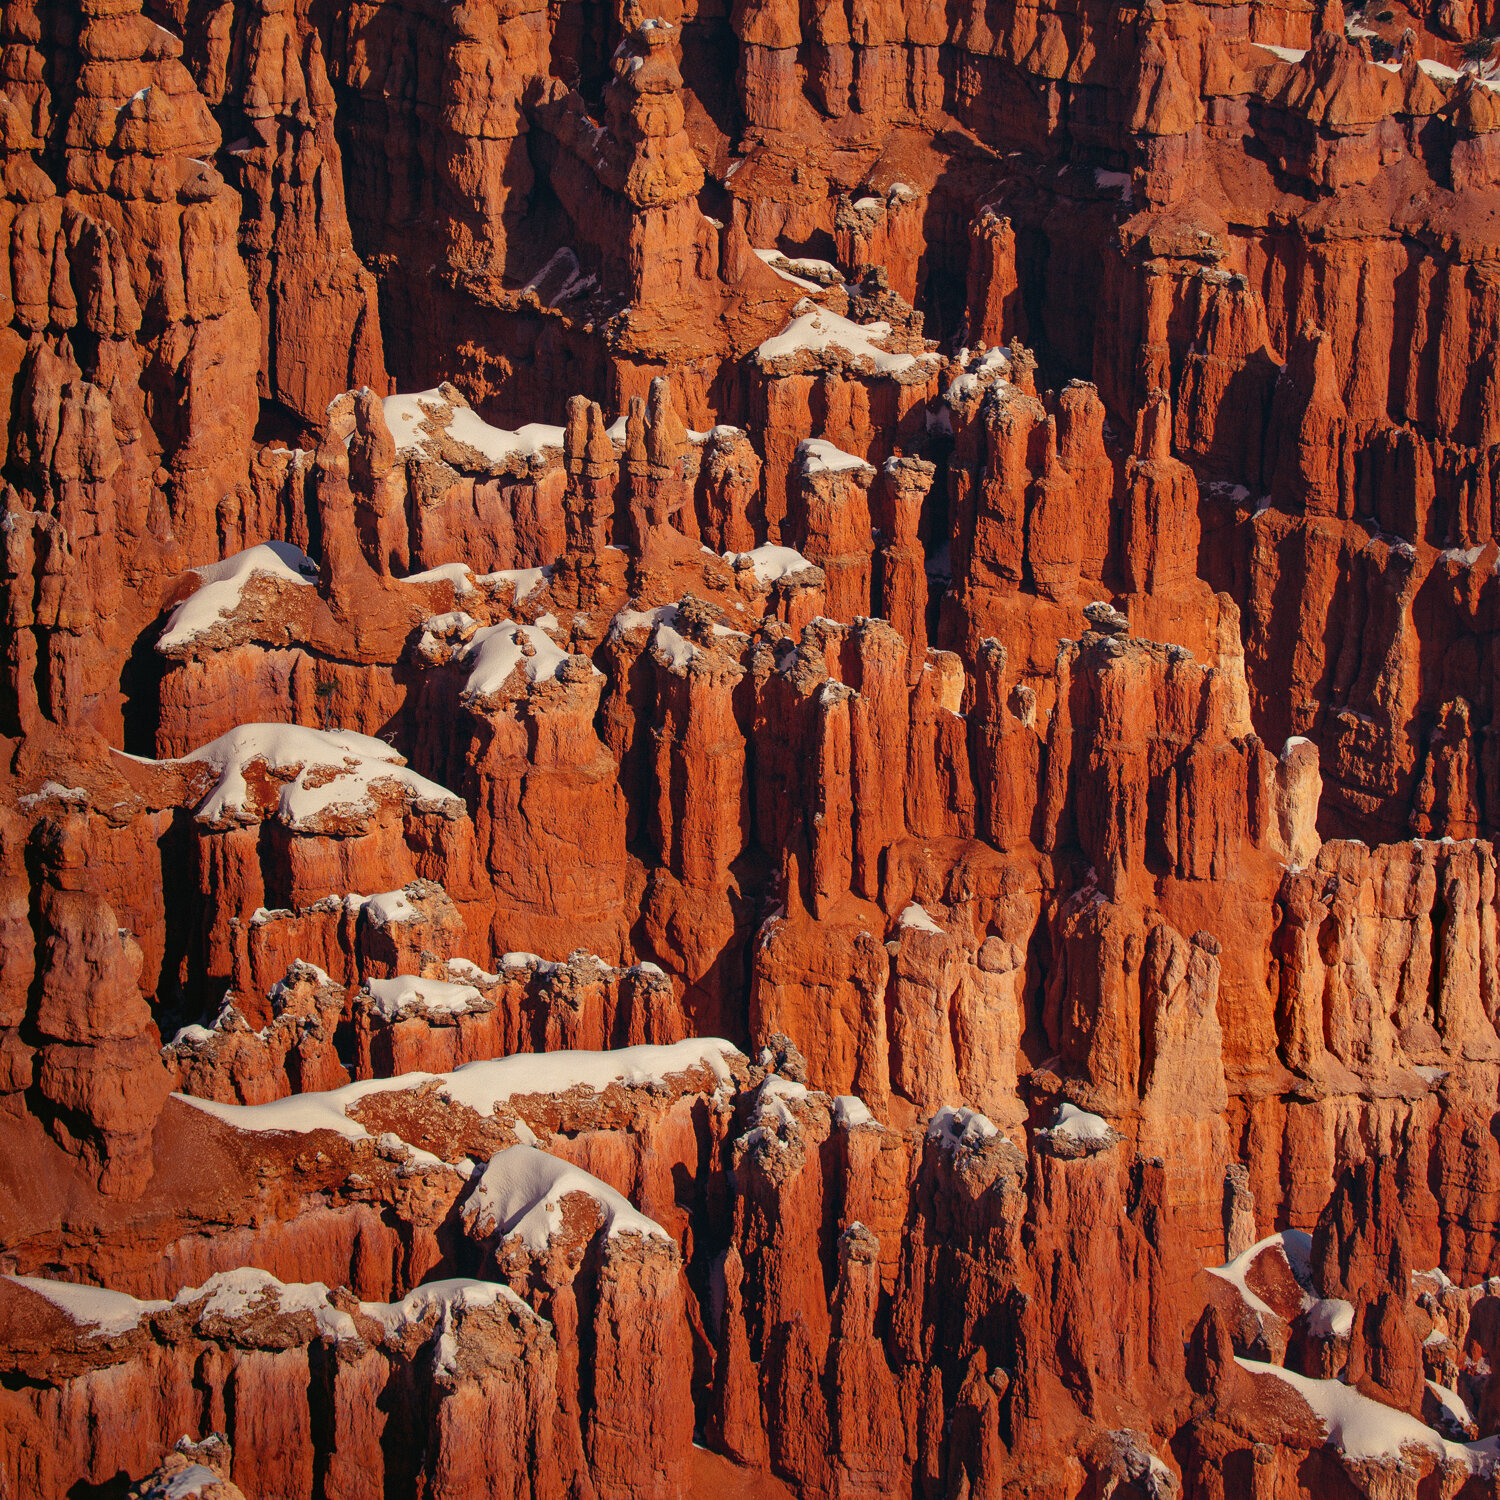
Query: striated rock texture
(749, 749)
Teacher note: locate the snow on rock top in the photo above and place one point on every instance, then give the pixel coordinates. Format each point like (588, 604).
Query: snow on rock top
(815, 331)
(850, 1110)
(222, 586)
(771, 257)
(232, 1294)
(1078, 1125)
(496, 651)
(481, 1085)
(101, 1311)
(1236, 1271)
(809, 274)
(1330, 1318)
(456, 573)
(980, 369)
(524, 581)
(55, 791)
(770, 563)
(469, 972)
(1452, 1403)
(773, 1097)
(388, 907)
(819, 456)
(960, 1127)
(331, 772)
(916, 917)
(227, 1294)
(406, 994)
(421, 421)
(246, 1290)
(670, 646)
(521, 1192)
(187, 1483)
(443, 1297)
(1286, 54)
(1363, 1428)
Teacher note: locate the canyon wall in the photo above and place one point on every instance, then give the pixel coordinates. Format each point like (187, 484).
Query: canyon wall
(749, 748)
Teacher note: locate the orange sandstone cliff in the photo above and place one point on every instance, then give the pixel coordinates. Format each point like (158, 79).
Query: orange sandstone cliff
(749, 749)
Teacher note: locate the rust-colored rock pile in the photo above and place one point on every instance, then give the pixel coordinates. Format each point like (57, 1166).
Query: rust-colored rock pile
(749, 750)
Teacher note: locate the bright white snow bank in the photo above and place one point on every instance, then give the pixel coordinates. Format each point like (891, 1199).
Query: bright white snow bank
(1362, 1428)
(233, 1294)
(103, 1312)
(770, 563)
(406, 995)
(336, 770)
(481, 1085)
(187, 1483)
(916, 917)
(1295, 1244)
(222, 586)
(387, 907)
(521, 1192)
(1330, 1318)
(850, 1110)
(819, 456)
(979, 369)
(1076, 1124)
(961, 1127)
(496, 651)
(420, 418)
(816, 331)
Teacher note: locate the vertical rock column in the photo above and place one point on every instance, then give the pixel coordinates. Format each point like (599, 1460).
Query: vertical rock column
(320, 329)
(136, 152)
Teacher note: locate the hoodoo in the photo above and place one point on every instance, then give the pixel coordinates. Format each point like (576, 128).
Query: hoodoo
(749, 750)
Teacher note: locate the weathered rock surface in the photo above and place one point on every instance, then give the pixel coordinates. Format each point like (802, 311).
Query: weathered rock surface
(953, 550)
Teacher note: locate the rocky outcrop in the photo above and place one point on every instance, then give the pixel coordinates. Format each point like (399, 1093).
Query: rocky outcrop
(952, 551)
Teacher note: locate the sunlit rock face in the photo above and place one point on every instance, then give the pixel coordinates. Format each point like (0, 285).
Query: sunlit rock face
(749, 750)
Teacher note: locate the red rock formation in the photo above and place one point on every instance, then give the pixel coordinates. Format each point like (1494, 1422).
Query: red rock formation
(955, 550)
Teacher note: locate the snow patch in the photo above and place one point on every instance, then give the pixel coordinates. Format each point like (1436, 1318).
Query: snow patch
(980, 368)
(770, 257)
(388, 907)
(850, 1110)
(444, 1296)
(816, 330)
(222, 586)
(397, 998)
(1468, 556)
(1440, 71)
(104, 1313)
(961, 1127)
(521, 1192)
(525, 581)
(336, 770)
(819, 456)
(1330, 1318)
(188, 1482)
(52, 791)
(481, 1085)
(417, 419)
(1451, 1402)
(1295, 1244)
(1078, 1125)
(771, 563)
(915, 916)
(1362, 1428)
(455, 573)
(497, 650)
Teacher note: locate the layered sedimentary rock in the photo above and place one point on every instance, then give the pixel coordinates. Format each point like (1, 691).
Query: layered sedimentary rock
(748, 748)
